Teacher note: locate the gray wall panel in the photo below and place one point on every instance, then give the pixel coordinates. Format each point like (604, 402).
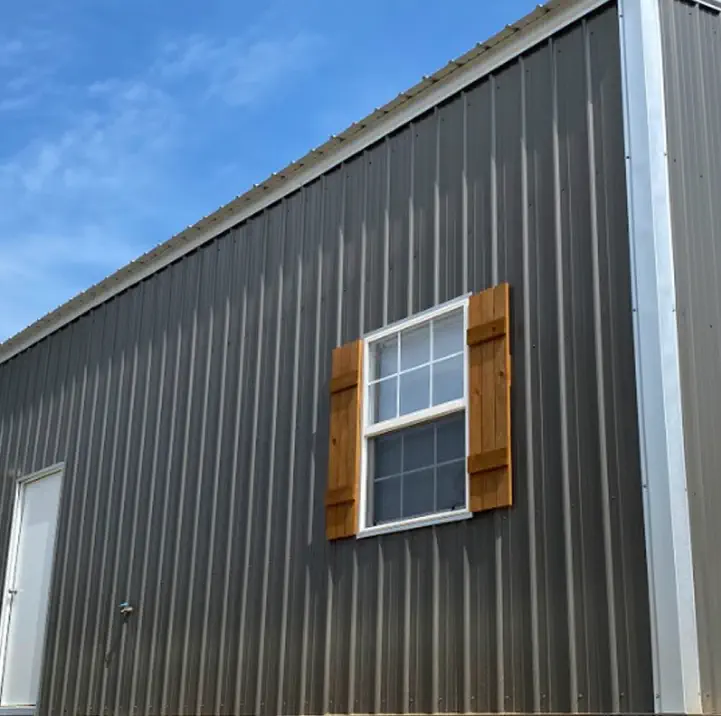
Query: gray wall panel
(692, 64)
(192, 414)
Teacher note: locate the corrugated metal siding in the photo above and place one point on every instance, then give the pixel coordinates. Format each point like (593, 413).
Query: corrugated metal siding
(192, 413)
(692, 57)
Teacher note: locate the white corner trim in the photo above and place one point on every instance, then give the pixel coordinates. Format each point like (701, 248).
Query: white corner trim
(658, 380)
(560, 15)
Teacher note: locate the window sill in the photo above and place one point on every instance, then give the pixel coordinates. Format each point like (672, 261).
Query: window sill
(415, 523)
(17, 710)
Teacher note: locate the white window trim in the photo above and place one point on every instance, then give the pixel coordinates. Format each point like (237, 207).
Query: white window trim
(371, 431)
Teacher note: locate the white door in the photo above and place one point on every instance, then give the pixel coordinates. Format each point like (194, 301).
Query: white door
(27, 586)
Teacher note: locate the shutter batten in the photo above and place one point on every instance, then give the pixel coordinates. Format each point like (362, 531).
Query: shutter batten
(489, 406)
(346, 390)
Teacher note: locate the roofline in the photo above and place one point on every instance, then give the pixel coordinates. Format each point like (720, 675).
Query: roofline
(482, 60)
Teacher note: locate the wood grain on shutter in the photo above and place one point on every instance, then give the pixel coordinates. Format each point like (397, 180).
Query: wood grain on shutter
(489, 419)
(346, 390)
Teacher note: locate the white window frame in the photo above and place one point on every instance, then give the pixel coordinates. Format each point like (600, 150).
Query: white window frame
(371, 430)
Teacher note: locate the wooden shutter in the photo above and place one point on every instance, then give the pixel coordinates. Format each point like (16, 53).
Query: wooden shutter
(346, 391)
(489, 373)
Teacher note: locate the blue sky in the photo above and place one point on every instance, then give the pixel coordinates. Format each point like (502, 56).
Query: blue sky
(123, 121)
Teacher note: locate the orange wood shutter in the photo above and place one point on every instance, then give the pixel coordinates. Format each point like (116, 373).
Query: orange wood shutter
(346, 390)
(489, 419)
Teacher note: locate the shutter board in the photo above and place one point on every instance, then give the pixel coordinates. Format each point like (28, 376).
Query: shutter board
(489, 371)
(346, 386)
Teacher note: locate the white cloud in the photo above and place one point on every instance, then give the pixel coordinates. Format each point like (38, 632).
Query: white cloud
(238, 71)
(75, 199)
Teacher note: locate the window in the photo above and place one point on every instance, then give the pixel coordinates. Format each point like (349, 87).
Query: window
(414, 422)
(420, 420)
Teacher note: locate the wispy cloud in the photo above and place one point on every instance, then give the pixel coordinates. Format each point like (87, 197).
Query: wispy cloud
(80, 196)
(238, 71)
(27, 64)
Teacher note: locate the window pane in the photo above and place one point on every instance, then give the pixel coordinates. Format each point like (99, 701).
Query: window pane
(448, 380)
(415, 347)
(418, 447)
(451, 486)
(451, 438)
(415, 390)
(387, 500)
(386, 455)
(418, 489)
(384, 404)
(448, 335)
(418, 470)
(384, 358)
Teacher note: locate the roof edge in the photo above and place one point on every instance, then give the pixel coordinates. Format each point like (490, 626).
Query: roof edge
(534, 28)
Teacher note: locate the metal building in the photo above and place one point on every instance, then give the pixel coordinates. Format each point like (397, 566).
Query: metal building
(164, 436)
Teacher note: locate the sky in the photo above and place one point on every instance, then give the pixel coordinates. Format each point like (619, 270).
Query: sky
(124, 121)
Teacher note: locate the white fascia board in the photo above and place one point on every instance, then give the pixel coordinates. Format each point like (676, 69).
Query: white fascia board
(658, 378)
(556, 19)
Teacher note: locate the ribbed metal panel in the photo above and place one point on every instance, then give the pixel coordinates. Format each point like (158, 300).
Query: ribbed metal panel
(192, 414)
(692, 58)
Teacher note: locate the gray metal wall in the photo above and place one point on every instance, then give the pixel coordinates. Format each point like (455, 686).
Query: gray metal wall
(692, 58)
(192, 413)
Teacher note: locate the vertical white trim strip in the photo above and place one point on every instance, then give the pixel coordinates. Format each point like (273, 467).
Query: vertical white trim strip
(666, 512)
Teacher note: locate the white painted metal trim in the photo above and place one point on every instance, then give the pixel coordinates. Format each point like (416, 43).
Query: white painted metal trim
(713, 4)
(658, 381)
(222, 220)
(439, 518)
(371, 430)
(420, 416)
(416, 319)
(11, 565)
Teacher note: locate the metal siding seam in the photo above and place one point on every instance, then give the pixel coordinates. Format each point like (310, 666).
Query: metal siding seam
(282, 651)
(40, 401)
(67, 498)
(671, 586)
(251, 476)
(110, 320)
(530, 472)
(568, 546)
(166, 688)
(153, 477)
(127, 593)
(411, 216)
(600, 389)
(269, 527)
(223, 662)
(69, 661)
(175, 314)
(125, 479)
(467, 700)
(498, 547)
(204, 303)
(386, 228)
(309, 569)
(435, 633)
(52, 381)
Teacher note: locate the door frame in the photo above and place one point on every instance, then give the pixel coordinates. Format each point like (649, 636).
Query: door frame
(12, 555)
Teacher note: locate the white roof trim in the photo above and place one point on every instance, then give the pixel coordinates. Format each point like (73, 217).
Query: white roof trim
(515, 39)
